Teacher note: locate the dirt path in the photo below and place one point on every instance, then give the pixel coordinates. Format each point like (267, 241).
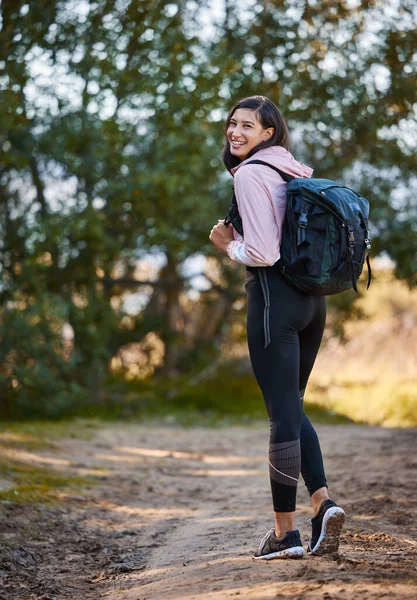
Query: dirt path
(178, 512)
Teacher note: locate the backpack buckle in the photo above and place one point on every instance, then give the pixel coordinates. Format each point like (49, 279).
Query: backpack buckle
(302, 220)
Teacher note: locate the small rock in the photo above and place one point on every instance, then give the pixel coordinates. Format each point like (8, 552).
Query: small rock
(5, 485)
(100, 577)
(76, 498)
(126, 532)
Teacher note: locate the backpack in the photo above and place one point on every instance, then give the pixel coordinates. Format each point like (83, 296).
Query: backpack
(325, 235)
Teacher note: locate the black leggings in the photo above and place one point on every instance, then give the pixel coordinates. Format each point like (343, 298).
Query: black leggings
(285, 329)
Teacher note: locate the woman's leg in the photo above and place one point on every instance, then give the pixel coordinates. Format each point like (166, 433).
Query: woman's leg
(277, 369)
(328, 518)
(312, 468)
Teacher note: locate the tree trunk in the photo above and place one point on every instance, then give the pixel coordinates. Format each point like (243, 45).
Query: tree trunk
(166, 302)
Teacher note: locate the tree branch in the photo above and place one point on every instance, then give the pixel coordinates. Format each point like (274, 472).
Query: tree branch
(109, 282)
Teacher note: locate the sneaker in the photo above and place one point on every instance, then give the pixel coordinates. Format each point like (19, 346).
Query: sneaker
(289, 546)
(326, 528)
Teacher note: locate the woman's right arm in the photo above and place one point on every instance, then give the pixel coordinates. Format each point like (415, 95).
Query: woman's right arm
(261, 242)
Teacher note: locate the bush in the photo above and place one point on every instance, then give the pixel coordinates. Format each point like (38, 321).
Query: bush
(36, 372)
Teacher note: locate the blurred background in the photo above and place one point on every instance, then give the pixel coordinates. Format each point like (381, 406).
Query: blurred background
(113, 303)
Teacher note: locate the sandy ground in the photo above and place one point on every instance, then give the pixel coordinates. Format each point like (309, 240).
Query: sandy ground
(178, 512)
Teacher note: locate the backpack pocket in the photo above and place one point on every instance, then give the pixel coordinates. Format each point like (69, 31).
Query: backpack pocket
(314, 250)
(338, 246)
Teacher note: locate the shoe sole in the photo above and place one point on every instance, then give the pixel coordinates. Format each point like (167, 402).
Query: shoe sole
(295, 552)
(331, 528)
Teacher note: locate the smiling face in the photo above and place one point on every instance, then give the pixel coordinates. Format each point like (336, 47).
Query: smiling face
(245, 132)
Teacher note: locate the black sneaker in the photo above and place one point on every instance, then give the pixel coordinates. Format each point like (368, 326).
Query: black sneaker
(326, 528)
(289, 546)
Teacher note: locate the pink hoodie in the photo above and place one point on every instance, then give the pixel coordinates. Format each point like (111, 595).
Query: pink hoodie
(260, 195)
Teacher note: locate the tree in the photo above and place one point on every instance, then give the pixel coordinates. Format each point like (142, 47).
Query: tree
(110, 153)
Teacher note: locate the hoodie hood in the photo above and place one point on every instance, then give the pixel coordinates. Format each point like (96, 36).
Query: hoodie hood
(279, 157)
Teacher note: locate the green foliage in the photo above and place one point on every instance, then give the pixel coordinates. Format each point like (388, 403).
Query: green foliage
(229, 395)
(386, 401)
(110, 143)
(37, 372)
(371, 376)
(232, 394)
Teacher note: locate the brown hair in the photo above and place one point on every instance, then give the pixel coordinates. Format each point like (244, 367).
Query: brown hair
(269, 116)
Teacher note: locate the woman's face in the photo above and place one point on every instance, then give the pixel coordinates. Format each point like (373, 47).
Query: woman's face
(245, 132)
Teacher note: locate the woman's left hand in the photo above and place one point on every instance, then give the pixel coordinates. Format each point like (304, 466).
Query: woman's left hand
(221, 235)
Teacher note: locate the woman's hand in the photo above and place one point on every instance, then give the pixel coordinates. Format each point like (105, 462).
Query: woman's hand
(221, 235)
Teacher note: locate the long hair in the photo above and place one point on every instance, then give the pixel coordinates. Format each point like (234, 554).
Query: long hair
(269, 116)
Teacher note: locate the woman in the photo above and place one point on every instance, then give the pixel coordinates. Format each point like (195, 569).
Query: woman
(284, 327)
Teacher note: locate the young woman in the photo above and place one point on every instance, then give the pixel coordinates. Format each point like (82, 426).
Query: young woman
(284, 327)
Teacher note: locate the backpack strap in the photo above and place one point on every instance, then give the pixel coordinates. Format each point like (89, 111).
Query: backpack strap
(368, 251)
(368, 262)
(351, 245)
(285, 176)
(233, 216)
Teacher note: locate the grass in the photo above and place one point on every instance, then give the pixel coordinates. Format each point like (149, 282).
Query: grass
(372, 378)
(33, 484)
(13, 438)
(38, 434)
(232, 396)
(387, 402)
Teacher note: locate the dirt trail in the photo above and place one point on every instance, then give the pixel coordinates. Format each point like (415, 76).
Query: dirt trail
(179, 511)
